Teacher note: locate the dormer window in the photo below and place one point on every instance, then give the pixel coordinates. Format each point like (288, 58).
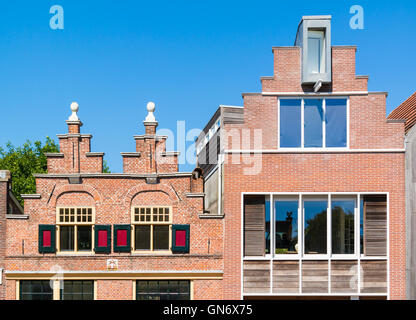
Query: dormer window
(316, 51)
(314, 39)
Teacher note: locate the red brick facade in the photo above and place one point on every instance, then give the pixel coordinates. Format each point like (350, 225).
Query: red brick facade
(3, 212)
(149, 180)
(375, 162)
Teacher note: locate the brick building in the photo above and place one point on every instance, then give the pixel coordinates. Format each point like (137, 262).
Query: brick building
(309, 175)
(10, 208)
(140, 234)
(299, 193)
(406, 112)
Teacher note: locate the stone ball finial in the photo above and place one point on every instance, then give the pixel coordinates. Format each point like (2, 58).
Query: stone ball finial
(150, 109)
(151, 106)
(74, 109)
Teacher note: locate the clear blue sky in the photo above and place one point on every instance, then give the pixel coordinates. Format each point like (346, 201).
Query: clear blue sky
(187, 56)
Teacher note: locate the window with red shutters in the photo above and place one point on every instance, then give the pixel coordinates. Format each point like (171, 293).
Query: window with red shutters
(102, 238)
(180, 238)
(122, 234)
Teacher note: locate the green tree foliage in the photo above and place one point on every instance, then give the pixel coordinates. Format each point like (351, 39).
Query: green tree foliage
(106, 168)
(24, 161)
(315, 233)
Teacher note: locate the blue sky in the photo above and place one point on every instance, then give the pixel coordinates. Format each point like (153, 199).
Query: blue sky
(187, 56)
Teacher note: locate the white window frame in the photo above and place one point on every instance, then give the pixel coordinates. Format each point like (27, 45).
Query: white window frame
(302, 145)
(295, 197)
(328, 227)
(356, 216)
(357, 256)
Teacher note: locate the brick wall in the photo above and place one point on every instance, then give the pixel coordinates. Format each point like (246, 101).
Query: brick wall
(113, 196)
(114, 289)
(3, 211)
(314, 172)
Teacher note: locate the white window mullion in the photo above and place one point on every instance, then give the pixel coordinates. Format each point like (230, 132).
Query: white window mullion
(301, 224)
(329, 227)
(357, 227)
(348, 123)
(302, 116)
(278, 124)
(323, 123)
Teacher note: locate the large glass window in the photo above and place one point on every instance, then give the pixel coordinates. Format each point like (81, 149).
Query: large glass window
(77, 290)
(343, 226)
(290, 123)
(336, 124)
(313, 123)
(75, 229)
(151, 228)
(35, 290)
(316, 57)
(315, 226)
(286, 226)
(163, 290)
(298, 224)
(324, 123)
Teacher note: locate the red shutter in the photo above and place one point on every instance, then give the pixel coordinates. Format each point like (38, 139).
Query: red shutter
(122, 238)
(180, 238)
(46, 238)
(102, 238)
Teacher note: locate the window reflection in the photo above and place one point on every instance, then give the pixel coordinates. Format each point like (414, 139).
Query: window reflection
(313, 113)
(315, 225)
(290, 123)
(286, 227)
(336, 122)
(343, 226)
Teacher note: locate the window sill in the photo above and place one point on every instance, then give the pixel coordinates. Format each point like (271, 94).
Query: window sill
(326, 149)
(151, 253)
(74, 253)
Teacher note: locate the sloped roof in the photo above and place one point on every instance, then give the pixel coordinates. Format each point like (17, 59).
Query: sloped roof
(406, 111)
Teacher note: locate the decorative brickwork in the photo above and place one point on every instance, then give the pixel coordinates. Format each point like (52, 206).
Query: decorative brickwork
(112, 197)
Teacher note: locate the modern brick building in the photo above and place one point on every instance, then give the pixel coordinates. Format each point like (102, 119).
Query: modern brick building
(140, 234)
(406, 112)
(309, 175)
